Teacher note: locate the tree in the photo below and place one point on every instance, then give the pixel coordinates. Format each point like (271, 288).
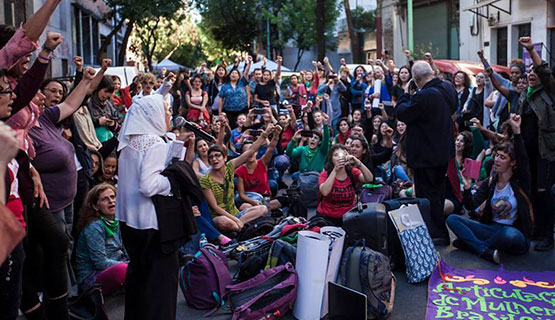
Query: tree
(178, 37)
(296, 21)
(358, 20)
(128, 12)
(233, 24)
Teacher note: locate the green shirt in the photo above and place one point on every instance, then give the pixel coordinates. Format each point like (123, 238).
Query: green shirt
(227, 190)
(307, 160)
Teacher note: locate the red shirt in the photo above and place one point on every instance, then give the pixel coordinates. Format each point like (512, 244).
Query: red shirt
(14, 201)
(257, 181)
(341, 198)
(286, 136)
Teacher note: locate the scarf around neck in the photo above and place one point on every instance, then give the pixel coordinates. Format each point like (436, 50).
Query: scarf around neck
(111, 227)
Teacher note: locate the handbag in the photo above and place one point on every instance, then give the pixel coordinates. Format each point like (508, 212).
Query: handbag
(11, 232)
(421, 256)
(89, 305)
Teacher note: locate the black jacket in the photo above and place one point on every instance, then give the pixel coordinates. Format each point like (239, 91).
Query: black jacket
(520, 183)
(430, 129)
(174, 213)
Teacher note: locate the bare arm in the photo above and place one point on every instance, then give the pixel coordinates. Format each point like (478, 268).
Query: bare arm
(37, 22)
(277, 76)
(211, 200)
(253, 147)
(496, 84)
(75, 98)
(242, 194)
(247, 68)
(272, 146)
(325, 188)
(527, 43)
(99, 75)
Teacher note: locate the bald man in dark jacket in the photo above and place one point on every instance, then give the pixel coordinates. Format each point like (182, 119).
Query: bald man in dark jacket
(430, 140)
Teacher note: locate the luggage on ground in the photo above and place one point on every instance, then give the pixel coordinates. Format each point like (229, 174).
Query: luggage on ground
(271, 293)
(423, 206)
(371, 223)
(203, 280)
(308, 185)
(368, 271)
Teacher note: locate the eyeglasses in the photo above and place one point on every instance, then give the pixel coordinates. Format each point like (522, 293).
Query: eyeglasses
(215, 155)
(8, 91)
(52, 90)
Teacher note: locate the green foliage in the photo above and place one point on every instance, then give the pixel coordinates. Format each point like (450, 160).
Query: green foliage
(232, 24)
(296, 22)
(363, 20)
(422, 48)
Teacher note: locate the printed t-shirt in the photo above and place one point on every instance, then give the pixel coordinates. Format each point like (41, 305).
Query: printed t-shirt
(341, 198)
(256, 181)
(224, 193)
(504, 206)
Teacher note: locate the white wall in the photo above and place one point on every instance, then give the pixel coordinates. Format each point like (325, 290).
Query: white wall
(523, 11)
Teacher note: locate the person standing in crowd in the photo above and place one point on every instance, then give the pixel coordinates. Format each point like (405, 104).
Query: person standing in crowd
(265, 92)
(538, 122)
(151, 281)
(50, 228)
(461, 80)
(234, 96)
(430, 143)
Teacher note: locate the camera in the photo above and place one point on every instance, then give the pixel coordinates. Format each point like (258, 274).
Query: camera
(306, 133)
(256, 133)
(468, 124)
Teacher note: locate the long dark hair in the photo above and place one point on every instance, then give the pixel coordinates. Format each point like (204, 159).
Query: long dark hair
(379, 134)
(366, 156)
(466, 78)
(217, 79)
(329, 162)
(399, 72)
(88, 212)
(467, 139)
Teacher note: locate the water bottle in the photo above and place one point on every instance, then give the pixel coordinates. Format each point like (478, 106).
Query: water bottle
(267, 202)
(202, 241)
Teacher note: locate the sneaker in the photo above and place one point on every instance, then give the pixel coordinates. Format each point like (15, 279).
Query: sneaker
(491, 256)
(544, 245)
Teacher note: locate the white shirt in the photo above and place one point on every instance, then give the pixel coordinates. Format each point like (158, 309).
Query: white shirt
(139, 167)
(504, 205)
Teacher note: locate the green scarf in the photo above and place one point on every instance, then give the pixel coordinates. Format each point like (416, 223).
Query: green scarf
(110, 226)
(310, 153)
(530, 91)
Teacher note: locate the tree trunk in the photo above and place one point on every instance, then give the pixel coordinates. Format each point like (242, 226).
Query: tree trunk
(112, 33)
(355, 44)
(123, 49)
(379, 46)
(300, 53)
(320, 28)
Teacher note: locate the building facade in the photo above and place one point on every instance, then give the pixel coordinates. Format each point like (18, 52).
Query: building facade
(496, 26)
(82, 23)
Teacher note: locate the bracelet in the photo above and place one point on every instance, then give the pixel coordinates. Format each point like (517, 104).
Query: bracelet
(49, 58)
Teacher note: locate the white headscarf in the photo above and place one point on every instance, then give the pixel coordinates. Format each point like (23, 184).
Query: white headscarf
(146, 118)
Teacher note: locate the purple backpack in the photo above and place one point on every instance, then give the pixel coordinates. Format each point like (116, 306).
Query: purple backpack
(271, 292)
(203, 280)
(378, 195)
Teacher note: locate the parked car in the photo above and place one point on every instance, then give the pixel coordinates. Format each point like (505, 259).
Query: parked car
(450, 67)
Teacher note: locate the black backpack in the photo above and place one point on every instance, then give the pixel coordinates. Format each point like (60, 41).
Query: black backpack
(257, 227)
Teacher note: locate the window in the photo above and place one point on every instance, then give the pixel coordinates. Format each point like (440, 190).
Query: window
(523, 31)
(14, 12)
(502, 46)
(86, 38)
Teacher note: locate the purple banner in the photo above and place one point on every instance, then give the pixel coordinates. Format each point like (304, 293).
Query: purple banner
(492, 295)
(526, 56)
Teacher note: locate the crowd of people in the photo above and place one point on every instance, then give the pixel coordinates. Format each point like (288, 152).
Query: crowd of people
(83, 160)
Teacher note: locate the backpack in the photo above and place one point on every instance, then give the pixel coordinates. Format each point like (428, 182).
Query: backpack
(380, 194)
(369, 272)
(273, 291)
(308, 185)
(296, 206)
(281, 253)
(257, 227)
(203, 280)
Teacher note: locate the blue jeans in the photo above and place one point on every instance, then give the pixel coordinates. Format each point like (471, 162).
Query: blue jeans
(205, 224)
(400, 173)
(479, 236)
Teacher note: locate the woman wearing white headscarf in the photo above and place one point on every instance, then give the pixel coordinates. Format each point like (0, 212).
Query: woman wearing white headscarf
(151, 281)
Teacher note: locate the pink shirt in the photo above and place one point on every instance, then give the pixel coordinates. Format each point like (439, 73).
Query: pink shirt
(17, 47)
